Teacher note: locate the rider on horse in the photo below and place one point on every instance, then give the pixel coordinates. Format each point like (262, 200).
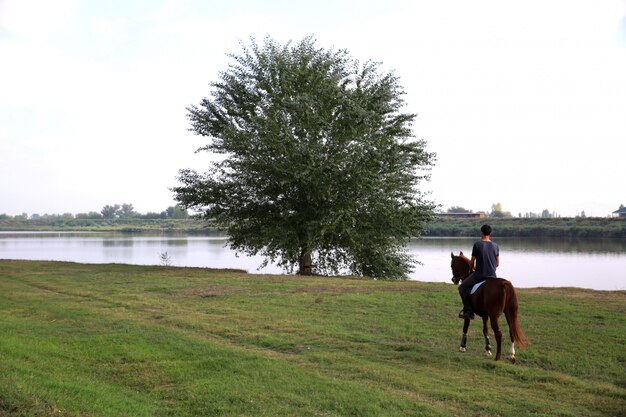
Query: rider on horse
(485, 260)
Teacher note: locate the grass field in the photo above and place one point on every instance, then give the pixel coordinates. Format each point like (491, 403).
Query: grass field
(121, 340)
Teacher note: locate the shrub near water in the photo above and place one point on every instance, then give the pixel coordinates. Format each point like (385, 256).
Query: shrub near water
(118, 340)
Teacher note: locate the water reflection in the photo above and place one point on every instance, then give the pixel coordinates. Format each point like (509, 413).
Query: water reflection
(587, 263)
(567, 245)
(116, 243)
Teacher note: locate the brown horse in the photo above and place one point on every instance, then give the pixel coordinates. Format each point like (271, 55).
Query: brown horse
(493, 297)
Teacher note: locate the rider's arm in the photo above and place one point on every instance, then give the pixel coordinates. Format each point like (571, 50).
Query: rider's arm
(473, 263)
(497, 261)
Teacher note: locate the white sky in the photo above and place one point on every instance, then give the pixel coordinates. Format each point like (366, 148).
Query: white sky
(524, 102)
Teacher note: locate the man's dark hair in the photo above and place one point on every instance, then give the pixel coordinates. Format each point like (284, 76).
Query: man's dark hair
(486, 230)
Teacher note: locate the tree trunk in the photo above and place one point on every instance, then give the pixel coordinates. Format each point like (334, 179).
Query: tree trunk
(306, 263)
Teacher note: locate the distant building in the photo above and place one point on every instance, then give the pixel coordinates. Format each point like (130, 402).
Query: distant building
(479, 215)
(621, 212)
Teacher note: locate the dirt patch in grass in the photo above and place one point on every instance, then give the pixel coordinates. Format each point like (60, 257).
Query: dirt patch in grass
(354, 290)
(151, 309)
(573, 292)
(615, 300)
(206, 292)
(576, 293)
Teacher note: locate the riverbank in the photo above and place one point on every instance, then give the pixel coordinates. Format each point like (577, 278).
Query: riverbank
(119, 340)
(107, 225)
(441, 227)
(561, 227)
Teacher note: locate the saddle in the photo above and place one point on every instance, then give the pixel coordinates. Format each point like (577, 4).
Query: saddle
(476, 287)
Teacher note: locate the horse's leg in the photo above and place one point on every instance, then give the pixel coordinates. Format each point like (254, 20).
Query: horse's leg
(510, 322)
(463, 347)
(498, 333)
(512, 352)
(486, 334)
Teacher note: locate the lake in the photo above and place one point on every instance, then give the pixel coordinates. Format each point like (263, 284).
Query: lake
(586, 263)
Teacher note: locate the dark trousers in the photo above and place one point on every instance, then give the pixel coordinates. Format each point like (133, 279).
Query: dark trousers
(464, 288)
(469, 282)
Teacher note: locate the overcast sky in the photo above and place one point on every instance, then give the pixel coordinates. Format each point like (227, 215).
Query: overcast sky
(524, 102)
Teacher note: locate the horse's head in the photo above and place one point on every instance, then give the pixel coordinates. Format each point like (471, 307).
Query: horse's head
(461, 267)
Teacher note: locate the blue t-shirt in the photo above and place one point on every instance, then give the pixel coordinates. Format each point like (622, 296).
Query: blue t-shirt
(486, 253)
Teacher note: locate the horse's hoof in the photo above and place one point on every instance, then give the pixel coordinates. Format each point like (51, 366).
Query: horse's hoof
(512, 359)
(462, 349)
(488, 353)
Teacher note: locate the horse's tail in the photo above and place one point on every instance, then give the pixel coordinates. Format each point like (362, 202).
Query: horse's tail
(510, 312)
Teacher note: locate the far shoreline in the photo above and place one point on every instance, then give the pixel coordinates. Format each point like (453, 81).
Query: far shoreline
(560, 227)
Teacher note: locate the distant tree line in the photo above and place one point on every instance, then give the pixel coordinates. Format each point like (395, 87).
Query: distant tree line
(498, 212)
(110, 212)
(560, 227)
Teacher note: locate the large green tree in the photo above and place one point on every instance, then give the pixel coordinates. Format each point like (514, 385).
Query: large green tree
(320, 168)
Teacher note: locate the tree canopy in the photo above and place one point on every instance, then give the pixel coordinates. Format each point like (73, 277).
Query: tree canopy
(497, 211)
(458, 209)
(320, 168)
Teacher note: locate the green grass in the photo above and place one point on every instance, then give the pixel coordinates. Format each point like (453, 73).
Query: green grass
(120, 340)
